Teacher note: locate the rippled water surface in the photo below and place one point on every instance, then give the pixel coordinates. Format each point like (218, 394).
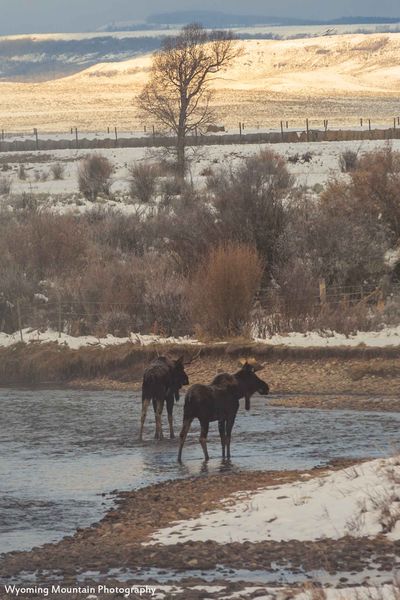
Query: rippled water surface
(62, 450)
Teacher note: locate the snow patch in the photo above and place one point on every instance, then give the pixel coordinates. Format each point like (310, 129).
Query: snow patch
(388, 336)
(362, 500)
(49, 335)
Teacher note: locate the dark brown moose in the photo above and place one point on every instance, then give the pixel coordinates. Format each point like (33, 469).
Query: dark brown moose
(162, 381)
(220, 402)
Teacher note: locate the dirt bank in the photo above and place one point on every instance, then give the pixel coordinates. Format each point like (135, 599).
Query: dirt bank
(357, 378)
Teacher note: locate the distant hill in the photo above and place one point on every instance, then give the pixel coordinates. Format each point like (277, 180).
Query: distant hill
(215, 19)
(42, 57)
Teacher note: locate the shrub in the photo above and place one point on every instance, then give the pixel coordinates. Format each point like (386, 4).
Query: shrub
(348, 161)
(143, 182)
(187, 228)
(57, 170)
(115, 322)
(250, 201)
(375, 187)
(46, 243)
(117, 231)
(171, 187)
(22, 172)
(222, 290)
(345, 247)
(165, 296)
(94, 174)
(5, 186)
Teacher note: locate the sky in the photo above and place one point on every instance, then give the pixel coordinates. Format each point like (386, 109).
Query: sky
(38, 16)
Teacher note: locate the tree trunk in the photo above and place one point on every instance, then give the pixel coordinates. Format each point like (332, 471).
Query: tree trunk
(181, 135)
(181, 154)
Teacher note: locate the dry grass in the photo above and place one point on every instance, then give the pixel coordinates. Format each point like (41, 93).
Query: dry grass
(384, 370)
(49, 363)
(222, 291)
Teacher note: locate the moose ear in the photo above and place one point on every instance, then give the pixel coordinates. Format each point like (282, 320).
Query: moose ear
(243, 362)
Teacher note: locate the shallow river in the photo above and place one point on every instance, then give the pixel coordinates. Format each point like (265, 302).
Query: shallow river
(62, 451)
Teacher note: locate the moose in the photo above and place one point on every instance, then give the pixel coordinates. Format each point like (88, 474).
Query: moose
(162, 381)
(220, 402)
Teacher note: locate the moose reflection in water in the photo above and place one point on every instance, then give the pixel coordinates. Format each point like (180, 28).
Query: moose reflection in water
(220, 402)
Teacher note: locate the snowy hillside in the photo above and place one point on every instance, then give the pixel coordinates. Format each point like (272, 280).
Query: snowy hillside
(337, 77)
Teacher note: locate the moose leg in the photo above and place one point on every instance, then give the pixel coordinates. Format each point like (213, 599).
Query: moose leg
(170, 408)
(185, 429)
(203, 438)
(222, 434)
(158, 410)
(229, 425)
(145, 406)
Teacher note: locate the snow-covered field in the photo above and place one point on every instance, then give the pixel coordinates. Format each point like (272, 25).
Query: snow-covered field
(63, 195)
(362, 500)
(340, 78)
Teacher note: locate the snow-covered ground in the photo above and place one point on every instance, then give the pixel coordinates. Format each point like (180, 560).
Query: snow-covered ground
(362, 500)
(389, 336)
(63, 195)
(36, 336)
(385, 592)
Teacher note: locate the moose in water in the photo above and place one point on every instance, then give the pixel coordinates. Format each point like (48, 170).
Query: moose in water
(162, 381)
(220, 402)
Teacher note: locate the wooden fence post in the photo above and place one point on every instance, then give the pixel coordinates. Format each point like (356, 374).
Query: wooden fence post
(308, 130)
(59, 317)
(35, 133)
(322, 292)
(76, 137)
(240, 130)
(282, 131)
(116, 136)
(19, 320)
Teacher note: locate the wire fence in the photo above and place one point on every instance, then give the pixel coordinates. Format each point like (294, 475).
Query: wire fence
(149, 136)
(91, 317)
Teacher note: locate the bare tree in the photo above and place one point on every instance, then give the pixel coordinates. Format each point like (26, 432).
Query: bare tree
(178, 92)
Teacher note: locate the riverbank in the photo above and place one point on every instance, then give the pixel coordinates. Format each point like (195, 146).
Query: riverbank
(120, 541)
(334, 377)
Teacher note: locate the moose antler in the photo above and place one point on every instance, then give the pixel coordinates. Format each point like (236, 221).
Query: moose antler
(252, 362)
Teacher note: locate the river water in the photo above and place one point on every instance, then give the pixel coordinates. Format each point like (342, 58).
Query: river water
(63, 452)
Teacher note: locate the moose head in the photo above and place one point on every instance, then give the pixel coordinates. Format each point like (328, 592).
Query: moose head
(249, 381)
